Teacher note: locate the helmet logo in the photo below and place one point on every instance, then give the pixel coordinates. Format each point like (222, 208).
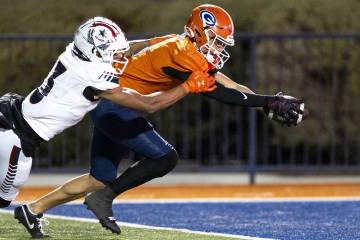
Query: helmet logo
(207, 18)
(102, 33)
(102, 38)
(90, 36)
(99, 38)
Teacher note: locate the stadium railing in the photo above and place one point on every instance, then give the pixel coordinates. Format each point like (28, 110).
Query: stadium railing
(321, 68)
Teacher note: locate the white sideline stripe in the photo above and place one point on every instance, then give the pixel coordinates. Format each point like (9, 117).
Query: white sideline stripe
(239, 200)
(226, 200)
(133, 225)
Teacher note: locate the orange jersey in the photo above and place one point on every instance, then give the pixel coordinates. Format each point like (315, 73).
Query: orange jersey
(144, 71)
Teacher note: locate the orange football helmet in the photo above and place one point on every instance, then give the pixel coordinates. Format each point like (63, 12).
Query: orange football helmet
(211, 29)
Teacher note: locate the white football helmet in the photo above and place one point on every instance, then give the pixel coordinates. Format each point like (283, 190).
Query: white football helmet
(101, 40)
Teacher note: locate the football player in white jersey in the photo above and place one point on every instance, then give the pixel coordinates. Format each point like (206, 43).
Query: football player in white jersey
(85, 72)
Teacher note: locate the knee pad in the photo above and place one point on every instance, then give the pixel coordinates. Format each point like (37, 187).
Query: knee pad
(4, 203)
(166, 163)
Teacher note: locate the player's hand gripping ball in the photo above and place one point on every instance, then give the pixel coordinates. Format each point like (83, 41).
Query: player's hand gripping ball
(199, 82)
(286, 110)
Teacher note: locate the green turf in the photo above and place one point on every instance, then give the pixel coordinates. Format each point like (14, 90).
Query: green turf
(69, 229)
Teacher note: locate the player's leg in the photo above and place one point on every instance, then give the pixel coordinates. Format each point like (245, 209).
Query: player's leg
(5, 169)
(14, 166)
(105, 158)
(30, 221)
(100, 201)
(160, 159)
(127, 127)
(14, 171)
(73, 189)
(103, 149)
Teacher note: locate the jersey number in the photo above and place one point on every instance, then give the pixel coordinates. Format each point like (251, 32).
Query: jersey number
(48, 84)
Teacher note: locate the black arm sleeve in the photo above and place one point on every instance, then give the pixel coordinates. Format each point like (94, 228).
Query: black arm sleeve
(174, 73)
(234, 97)
(183, 76)
(224, 94)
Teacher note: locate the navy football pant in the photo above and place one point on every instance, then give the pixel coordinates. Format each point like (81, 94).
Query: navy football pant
(118, 129)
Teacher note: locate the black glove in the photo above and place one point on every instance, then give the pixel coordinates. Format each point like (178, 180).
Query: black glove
(286, 110)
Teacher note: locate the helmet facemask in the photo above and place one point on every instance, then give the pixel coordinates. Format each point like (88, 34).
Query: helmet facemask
(214, 50)
(113, 51)
(211, 29)
(114, 54)
(118, 60)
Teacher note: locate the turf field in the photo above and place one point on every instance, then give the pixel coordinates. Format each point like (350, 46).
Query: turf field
(80, 229)
(311, 218)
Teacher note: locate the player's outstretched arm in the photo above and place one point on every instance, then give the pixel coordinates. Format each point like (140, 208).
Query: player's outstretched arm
(229, 83)
(230, 92)
(285, 109)
(197, 82)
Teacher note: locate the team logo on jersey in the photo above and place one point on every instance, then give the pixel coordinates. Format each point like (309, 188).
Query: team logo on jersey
(208, 18)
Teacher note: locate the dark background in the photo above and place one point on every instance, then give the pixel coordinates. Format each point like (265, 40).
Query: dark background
(309, 49)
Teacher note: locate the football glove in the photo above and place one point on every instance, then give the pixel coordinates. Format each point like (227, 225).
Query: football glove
(286, 110)
(199, 82)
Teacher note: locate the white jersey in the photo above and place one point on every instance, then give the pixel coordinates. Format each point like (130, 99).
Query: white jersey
(59, 102)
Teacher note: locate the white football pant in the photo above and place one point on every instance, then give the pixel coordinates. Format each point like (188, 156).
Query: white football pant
(14, 166)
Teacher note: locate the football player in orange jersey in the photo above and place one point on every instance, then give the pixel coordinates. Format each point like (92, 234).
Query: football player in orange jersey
(168, 62)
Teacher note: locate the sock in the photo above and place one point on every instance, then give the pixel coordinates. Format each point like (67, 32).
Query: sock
(144, 171)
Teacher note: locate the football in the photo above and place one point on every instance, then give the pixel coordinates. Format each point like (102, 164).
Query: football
(305, 110)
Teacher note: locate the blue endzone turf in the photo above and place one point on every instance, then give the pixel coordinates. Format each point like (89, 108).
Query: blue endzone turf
(279, 220)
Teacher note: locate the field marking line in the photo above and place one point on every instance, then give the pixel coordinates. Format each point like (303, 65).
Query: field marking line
(134, 225)
(237, 200)
(225, 200)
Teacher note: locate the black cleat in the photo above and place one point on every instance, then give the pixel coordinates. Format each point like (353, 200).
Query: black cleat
(4, 203)
(102, 208)
(32, 223)
(110, 224)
